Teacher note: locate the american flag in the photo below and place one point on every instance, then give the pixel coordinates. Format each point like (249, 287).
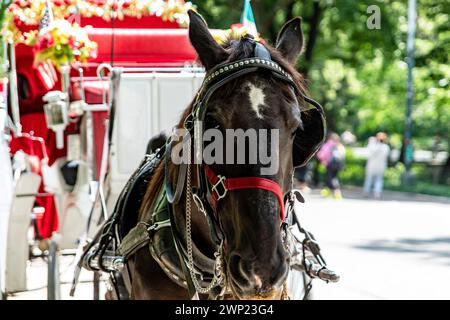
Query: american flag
(47, 17)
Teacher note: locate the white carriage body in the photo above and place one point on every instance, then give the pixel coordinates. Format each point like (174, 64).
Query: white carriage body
(147, 104)
(6, 196)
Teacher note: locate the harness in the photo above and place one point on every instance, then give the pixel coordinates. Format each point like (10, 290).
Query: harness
(221, 185)
(157, 228)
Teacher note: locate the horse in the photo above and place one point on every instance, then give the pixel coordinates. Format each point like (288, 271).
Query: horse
(226, 218)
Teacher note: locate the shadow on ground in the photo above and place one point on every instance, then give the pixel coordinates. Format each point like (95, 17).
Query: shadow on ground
(434, 247)
(355, 193)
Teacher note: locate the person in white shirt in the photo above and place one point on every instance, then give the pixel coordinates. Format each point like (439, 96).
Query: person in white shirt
(377, 161)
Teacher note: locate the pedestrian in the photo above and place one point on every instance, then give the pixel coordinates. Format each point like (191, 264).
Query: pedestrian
(332, 157)
(377, 160)
(348, 138)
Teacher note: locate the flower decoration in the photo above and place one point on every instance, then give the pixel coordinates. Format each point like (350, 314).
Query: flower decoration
(236, 31)
(28, 12)
(24, 15)
(62, 43)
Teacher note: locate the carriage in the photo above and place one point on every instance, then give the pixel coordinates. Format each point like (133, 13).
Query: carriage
(79, 133)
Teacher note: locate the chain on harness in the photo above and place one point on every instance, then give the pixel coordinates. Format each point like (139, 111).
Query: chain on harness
(219, 277)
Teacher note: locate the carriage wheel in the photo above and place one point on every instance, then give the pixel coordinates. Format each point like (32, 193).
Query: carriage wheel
(53, 282)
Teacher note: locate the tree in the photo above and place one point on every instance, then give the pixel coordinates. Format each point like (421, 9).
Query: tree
(359, 74)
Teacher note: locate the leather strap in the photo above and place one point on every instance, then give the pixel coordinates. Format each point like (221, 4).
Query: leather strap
(172, 197)
(261, 52)
(242, 183)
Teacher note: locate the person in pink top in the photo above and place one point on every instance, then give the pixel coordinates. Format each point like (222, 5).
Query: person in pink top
(332, 157)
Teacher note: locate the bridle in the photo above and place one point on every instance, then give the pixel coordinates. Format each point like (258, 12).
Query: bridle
(109, 250)
(212, 187)
(221, 186)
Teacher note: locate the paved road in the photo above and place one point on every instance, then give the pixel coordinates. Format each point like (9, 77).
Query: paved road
(397, 248)
(37, 282)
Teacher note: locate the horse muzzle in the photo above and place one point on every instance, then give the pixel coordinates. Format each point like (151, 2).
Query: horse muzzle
(257, 279)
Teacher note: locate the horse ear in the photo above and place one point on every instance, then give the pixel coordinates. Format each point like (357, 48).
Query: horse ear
(290, 40)
(208, 50)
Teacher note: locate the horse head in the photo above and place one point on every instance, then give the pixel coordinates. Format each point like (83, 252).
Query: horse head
(268, 112)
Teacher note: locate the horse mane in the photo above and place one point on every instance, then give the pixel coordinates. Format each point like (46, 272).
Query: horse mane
(238, 49)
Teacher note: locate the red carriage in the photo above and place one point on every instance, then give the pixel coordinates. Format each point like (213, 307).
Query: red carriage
(136, 37)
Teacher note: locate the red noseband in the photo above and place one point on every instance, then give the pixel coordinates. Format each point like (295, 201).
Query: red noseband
(221, 185)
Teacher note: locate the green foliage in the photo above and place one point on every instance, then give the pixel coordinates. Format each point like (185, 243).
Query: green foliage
(354, 170)
(424, 188)
(359, 75)
(4, 4)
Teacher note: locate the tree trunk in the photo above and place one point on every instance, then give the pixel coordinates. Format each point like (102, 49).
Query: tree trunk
(401, 158)
(290, 10)
(313, 21)
(264, 12)
(445, 172)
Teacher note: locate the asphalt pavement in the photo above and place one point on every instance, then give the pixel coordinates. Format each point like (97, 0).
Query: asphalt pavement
(394, 248)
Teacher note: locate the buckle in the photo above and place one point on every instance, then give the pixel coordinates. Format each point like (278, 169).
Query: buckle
(220, 183)
(157, 225)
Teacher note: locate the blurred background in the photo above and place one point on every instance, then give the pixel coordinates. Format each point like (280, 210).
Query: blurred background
(377, 194)
(360, 76)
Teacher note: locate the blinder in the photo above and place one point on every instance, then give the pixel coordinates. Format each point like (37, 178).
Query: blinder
(311, 135)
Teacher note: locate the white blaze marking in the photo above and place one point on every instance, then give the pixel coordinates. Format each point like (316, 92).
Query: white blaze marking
(256, 96)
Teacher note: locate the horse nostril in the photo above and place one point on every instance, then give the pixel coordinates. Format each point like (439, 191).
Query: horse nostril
(253, 278)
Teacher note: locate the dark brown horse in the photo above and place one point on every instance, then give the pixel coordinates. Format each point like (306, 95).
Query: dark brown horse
(255, 261)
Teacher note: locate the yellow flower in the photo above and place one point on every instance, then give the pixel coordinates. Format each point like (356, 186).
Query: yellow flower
(30, 37)
(222, 36)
